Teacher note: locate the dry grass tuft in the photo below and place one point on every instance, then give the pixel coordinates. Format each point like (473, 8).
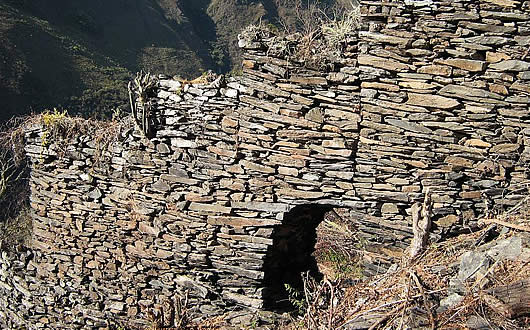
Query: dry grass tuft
(318, 38)
(58, 131)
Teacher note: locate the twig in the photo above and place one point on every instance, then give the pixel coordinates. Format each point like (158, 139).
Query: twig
(376, 281)
(387, 316)
(452, 316)
(507, 224)
(478, 280)
(425, 301)
(517, 206)
(332, 307)
(405, 307)
(317, 297)
(305, 281)
(387, 304)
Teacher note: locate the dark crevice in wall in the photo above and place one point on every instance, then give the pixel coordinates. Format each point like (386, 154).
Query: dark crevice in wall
(292, 254)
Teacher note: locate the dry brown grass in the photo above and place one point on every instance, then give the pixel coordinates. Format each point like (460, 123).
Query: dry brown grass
(318, 38)
(58, 131)
(15, 231)
(393, 299)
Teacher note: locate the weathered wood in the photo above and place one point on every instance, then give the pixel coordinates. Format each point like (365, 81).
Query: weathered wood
(510, 300)
(507, 224)
(421, 224)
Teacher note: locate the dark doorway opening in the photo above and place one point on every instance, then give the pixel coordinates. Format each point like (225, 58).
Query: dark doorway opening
(291, 254)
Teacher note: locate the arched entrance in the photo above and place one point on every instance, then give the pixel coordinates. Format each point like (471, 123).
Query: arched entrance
(292, 253)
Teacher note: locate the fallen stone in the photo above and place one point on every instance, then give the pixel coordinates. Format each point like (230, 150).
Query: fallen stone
(510, 248)
(449, 302)
(479, 323)
(471, 265)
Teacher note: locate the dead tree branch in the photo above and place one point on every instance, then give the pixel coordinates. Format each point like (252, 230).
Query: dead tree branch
(421, 224)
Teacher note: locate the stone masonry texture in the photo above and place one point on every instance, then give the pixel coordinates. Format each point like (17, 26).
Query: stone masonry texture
(427, 94)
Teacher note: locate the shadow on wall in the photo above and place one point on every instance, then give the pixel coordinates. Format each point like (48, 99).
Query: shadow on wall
(291, 254)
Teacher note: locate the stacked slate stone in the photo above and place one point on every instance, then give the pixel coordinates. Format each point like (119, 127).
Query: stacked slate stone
(429, 95)
(445, 97)
(125, 229)
(300, 124)
(129, 228)
(17, 286)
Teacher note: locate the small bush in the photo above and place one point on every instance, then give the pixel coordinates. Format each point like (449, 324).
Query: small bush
(296, 298)
(50, 120)
(337, 30)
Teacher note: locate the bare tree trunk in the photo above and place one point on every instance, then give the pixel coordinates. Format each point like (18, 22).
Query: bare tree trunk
(421, 224)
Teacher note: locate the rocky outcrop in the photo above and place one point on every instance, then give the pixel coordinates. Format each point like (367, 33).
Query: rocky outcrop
(428, 95)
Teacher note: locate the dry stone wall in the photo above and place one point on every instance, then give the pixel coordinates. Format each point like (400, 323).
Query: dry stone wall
(445, 97)
(427, 95)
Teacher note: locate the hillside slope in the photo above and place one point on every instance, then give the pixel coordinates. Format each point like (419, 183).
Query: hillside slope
(79, 55)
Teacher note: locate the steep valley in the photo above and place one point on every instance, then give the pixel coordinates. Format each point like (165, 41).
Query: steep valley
(79, 55)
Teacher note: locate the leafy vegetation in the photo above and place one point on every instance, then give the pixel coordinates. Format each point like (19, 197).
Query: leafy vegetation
(296, 298)
(342, 264)
(50, 119)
